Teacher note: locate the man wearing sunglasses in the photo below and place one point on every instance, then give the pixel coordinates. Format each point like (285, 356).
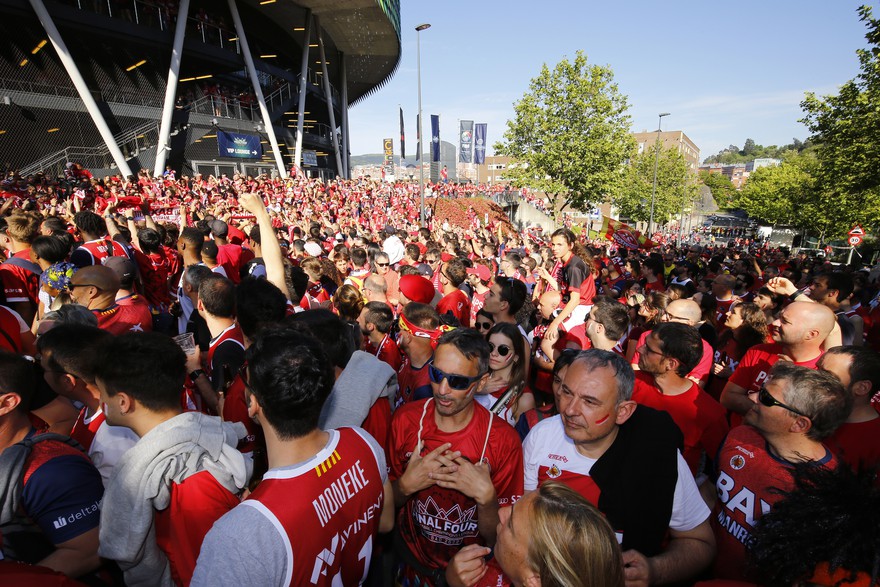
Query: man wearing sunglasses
(453, 463)
(792, 413)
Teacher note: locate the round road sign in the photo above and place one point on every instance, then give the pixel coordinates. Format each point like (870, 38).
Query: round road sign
(854, 240)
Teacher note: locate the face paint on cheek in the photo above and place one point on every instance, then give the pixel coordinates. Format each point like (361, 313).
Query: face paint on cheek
(603, 419)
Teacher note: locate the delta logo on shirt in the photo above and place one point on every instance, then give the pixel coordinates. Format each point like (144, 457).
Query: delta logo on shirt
(85, 512)
(447, 527)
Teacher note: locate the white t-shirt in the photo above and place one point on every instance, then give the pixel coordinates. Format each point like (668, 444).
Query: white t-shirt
(548, 453)
(108, 446)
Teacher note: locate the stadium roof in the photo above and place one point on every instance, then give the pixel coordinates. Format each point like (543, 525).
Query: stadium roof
(367, 31)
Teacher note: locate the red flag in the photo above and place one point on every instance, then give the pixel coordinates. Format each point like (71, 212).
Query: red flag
(623, 235)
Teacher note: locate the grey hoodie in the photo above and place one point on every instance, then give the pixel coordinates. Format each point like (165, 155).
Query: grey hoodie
(363, 381)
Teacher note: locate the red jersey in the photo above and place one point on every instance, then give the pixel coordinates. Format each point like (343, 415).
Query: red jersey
(235, 409)
(573, 276)
(10, 339)
(412, 384)
(230, 257)
(701, 419)
(154, 274)
(19, 283)
(388, 352)
(436, 522)
(195, 504)
(94, 252)
(748, 477)
(478, 300)
(121, 318)
(857, 443)
(457, 303)
(754, 368)
(700, 372)
(339, 501)
(231, 336)
(721, 312)
(84, 429)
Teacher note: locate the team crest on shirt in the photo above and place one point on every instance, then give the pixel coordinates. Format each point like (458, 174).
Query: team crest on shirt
(737, 462)
(445, 526)
(554, 472)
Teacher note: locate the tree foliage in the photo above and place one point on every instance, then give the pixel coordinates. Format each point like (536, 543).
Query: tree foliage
(676, 188)
(848, 126)
(570, 134)
(752, 151)
(779, 195)
(721, 187)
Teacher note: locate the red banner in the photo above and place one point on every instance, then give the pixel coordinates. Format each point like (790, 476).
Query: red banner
(623, 235)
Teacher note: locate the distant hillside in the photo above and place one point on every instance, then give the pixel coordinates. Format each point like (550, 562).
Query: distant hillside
(370, 159)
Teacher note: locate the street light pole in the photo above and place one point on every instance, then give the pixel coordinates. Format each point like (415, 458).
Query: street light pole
(421, 155)
(656, 164)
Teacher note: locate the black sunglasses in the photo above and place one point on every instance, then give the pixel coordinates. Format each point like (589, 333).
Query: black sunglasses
(482, 325)
(459, 382)
(503, 349)
(768, 400)
(382, 264)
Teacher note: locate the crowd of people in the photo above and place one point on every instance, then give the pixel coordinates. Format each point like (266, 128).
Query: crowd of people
(254, 381)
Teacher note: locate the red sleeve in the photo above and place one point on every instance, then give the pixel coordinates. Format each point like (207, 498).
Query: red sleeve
(642, 338)
(745, 373)
(507, 468)
(704, 367)
(378, 424)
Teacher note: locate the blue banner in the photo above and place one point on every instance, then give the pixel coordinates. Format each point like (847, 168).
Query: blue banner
(466, 141)
(230, 144)
(480, 143)
(435, 137)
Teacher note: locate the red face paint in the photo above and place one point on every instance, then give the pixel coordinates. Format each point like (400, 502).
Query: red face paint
(603, 420)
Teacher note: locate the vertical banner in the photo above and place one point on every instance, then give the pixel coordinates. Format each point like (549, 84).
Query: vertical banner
(435, 137)
(388, 150)
(480, 143)
(402, 138)
(466, 141)
(418, 138)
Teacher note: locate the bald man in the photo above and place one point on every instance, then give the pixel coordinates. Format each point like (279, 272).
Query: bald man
(798, 334)
(684, 312)
(95, 288)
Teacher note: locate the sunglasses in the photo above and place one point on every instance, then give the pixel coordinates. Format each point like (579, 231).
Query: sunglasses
(382, 264)
(483, 325)
(502, 349)
(769, 401)
(458, 382)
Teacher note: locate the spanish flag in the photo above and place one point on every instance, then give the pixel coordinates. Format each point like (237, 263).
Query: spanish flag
(623, 235)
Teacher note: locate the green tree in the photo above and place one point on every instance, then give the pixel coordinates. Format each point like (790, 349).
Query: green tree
(847, 126)
(570, 134)
(777, 195)
(676, 188)
(721, 187)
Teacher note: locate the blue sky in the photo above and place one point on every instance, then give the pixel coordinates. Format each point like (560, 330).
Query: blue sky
(725, 71)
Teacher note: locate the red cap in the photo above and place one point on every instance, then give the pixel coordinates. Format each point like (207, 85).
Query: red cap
(480, 271)
(417, 288)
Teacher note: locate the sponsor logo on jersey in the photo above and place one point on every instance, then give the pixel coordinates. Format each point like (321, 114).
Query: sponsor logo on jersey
(83, 513)
(554, 472)
(554, 457)
(737, 462)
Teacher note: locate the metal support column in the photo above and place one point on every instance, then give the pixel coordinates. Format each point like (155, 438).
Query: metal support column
(303, 80)
(329, 95)
(343, 83)
(81, 87)
(252, 72)
(164, 147)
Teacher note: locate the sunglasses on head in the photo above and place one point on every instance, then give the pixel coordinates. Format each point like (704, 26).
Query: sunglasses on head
(483, 325)
(459, 382)
(769, 401)
(502, 349)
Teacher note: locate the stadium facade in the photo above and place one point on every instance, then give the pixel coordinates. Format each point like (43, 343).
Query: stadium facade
(121, 85)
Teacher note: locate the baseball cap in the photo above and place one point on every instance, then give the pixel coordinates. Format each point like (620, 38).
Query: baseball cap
(219, 228)
(124, 270)
(417, 288)
(480, 271)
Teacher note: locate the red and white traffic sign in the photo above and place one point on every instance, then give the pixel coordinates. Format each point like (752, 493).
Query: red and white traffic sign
(854, 240)
(857, 230)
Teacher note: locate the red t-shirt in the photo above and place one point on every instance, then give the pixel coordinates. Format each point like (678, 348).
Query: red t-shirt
(130, 316)
(754, 368)
(235, 409)
(195, 505)
(229, 256)
(412, 384)
(84, 429)
(478, 300)
(857, 443)
(436, 522)
(701, 419)
(19, 284)
(387, 352)
(154, 274)
(457, 303)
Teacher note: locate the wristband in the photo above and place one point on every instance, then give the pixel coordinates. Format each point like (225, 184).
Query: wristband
(196, 374)
(795, 295)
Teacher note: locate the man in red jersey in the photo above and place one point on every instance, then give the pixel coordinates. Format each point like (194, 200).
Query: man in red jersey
(182, 475)
(19, 274)
(857, 440)
(325, 536)
(95, 287)
(216, 304)
(96, 246)
(668, 355)
(454, 301)
(792, 413)
(230, 256)
(798, 334)
(419, 331)
(453, 463)
(375, 321)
